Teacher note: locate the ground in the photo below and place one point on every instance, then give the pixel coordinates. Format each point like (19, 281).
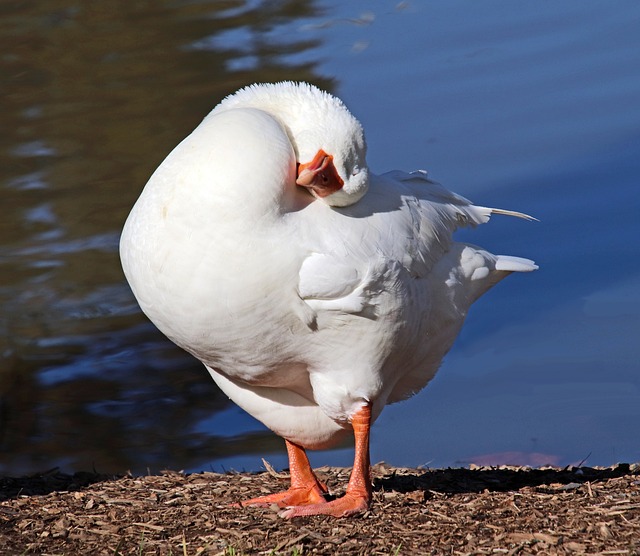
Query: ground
(504, 510)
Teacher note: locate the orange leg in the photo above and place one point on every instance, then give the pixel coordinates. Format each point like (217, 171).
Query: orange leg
(358, 495)
(305, 487)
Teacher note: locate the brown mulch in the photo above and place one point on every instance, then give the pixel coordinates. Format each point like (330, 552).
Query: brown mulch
(504, 510)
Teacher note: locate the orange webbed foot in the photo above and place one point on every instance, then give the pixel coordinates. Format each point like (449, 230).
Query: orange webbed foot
(295, 496)
(305, 487)
(349, 504)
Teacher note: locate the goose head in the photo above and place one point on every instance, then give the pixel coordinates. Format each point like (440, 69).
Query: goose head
(328, 140)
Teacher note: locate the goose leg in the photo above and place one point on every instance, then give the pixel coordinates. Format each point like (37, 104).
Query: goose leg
(305, 487)
(358, 495)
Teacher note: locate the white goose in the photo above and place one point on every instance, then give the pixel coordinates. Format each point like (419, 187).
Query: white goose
(311, 312)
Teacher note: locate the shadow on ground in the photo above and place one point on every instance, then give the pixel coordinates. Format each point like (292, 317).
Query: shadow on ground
(492, 479)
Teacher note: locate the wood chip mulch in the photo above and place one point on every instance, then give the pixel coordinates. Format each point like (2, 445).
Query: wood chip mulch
(504, 510)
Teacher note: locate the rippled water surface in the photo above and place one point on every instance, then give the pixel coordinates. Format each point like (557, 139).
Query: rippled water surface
(529, 106)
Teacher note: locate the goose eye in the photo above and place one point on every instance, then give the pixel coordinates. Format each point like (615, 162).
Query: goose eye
(355, 171)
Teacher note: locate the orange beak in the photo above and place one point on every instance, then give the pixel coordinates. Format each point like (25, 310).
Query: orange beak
(320, 175)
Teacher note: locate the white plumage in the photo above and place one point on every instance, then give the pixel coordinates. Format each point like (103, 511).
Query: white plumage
(303, 310)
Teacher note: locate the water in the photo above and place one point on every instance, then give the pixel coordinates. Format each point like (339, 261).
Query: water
(534, 107)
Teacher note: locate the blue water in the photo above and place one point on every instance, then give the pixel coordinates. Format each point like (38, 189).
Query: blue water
(527, 106)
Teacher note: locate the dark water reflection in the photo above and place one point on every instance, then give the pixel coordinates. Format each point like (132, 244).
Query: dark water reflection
(94, 96)
(513, 105)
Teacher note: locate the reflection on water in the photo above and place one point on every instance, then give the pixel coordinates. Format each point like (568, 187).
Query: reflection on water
(514, 105)
(95, 95)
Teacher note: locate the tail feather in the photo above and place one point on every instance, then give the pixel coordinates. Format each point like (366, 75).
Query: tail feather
(512, 213)
(514, 264)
